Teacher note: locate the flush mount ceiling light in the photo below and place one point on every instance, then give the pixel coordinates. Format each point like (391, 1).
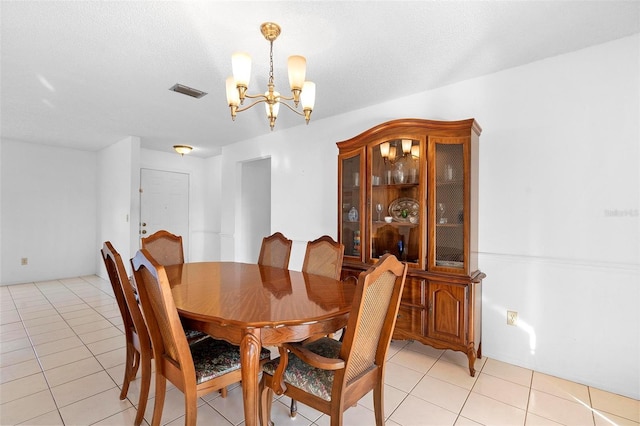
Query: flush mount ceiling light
(237, 85)
(186, 90)
(183, 149)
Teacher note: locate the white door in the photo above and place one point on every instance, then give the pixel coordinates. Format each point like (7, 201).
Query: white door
(164, 204)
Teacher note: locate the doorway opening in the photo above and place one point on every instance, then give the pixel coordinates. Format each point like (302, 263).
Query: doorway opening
(255, 208)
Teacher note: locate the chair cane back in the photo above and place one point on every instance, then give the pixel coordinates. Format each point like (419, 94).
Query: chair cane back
(275, 251)
(324, 257)
(165, 247)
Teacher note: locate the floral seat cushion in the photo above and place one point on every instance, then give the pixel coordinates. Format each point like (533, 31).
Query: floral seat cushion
(194, 336)
(213, 358)
(303, 376)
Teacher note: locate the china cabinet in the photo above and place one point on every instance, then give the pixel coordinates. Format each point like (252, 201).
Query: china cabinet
(410, 187)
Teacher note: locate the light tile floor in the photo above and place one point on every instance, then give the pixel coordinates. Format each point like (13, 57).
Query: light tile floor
(62, 353)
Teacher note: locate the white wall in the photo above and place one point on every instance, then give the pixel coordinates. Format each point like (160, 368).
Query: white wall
(48, 212)
(558, 154)
(116, 167)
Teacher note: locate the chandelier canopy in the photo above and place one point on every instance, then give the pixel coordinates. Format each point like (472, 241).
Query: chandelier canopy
(302, 91)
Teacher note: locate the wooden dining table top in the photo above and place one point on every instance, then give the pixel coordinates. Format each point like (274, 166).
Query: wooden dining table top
(251, 295)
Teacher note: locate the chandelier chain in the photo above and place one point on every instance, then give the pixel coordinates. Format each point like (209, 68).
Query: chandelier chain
(271, 62)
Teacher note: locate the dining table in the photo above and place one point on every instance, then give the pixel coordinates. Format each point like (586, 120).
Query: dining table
(253, 306)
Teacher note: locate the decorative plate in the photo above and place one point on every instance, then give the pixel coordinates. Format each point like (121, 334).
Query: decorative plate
(399, 205)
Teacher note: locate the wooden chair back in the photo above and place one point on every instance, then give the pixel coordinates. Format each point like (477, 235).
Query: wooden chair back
(275, 251)
(324, 257)
(138, 343)
(165, 247)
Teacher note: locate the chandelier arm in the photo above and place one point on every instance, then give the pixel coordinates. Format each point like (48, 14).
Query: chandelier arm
(258, 96)
(264, 99)
(292, 108)
(285, 98)
(279, 98)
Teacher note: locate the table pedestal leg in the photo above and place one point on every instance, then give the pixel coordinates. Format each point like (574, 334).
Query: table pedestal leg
(250, 347)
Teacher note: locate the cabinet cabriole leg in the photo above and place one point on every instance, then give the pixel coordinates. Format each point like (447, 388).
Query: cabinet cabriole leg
(471, 355)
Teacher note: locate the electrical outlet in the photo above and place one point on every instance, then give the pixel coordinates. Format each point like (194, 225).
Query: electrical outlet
(24, 261)
(512, 318)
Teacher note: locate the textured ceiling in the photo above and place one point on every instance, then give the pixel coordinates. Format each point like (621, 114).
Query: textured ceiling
(86, 74)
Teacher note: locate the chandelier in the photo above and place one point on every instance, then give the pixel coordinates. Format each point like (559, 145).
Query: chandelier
(303, 92)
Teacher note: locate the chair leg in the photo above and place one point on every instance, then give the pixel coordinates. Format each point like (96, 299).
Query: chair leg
(294, 409)
(158, 404)
(336, 418)
(129, 374)
(145, 383)
(378, 403)
(266, 399)
(223, 392)
(191, 407)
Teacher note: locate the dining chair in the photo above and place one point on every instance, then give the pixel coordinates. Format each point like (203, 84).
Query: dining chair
(197, 369)
(165, 247)
(275, 251)
(138, 344)
(323, 256)
(330, 375)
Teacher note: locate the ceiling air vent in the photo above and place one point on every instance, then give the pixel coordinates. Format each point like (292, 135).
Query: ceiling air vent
(186, 90)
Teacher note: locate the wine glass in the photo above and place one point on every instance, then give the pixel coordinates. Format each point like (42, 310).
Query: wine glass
(441, 210)
(379, 210)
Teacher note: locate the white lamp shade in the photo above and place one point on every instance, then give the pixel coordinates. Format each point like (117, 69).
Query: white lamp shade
(241, 65)
(406, 145)
(392, 153)
(384, 149)
(415, 151)
(297, 66)
(308, 95)
(276, 106)
(233, 98)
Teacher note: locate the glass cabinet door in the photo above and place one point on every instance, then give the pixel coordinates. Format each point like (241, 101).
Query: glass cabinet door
(351, 176)
(395, 209)
(449, 205)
